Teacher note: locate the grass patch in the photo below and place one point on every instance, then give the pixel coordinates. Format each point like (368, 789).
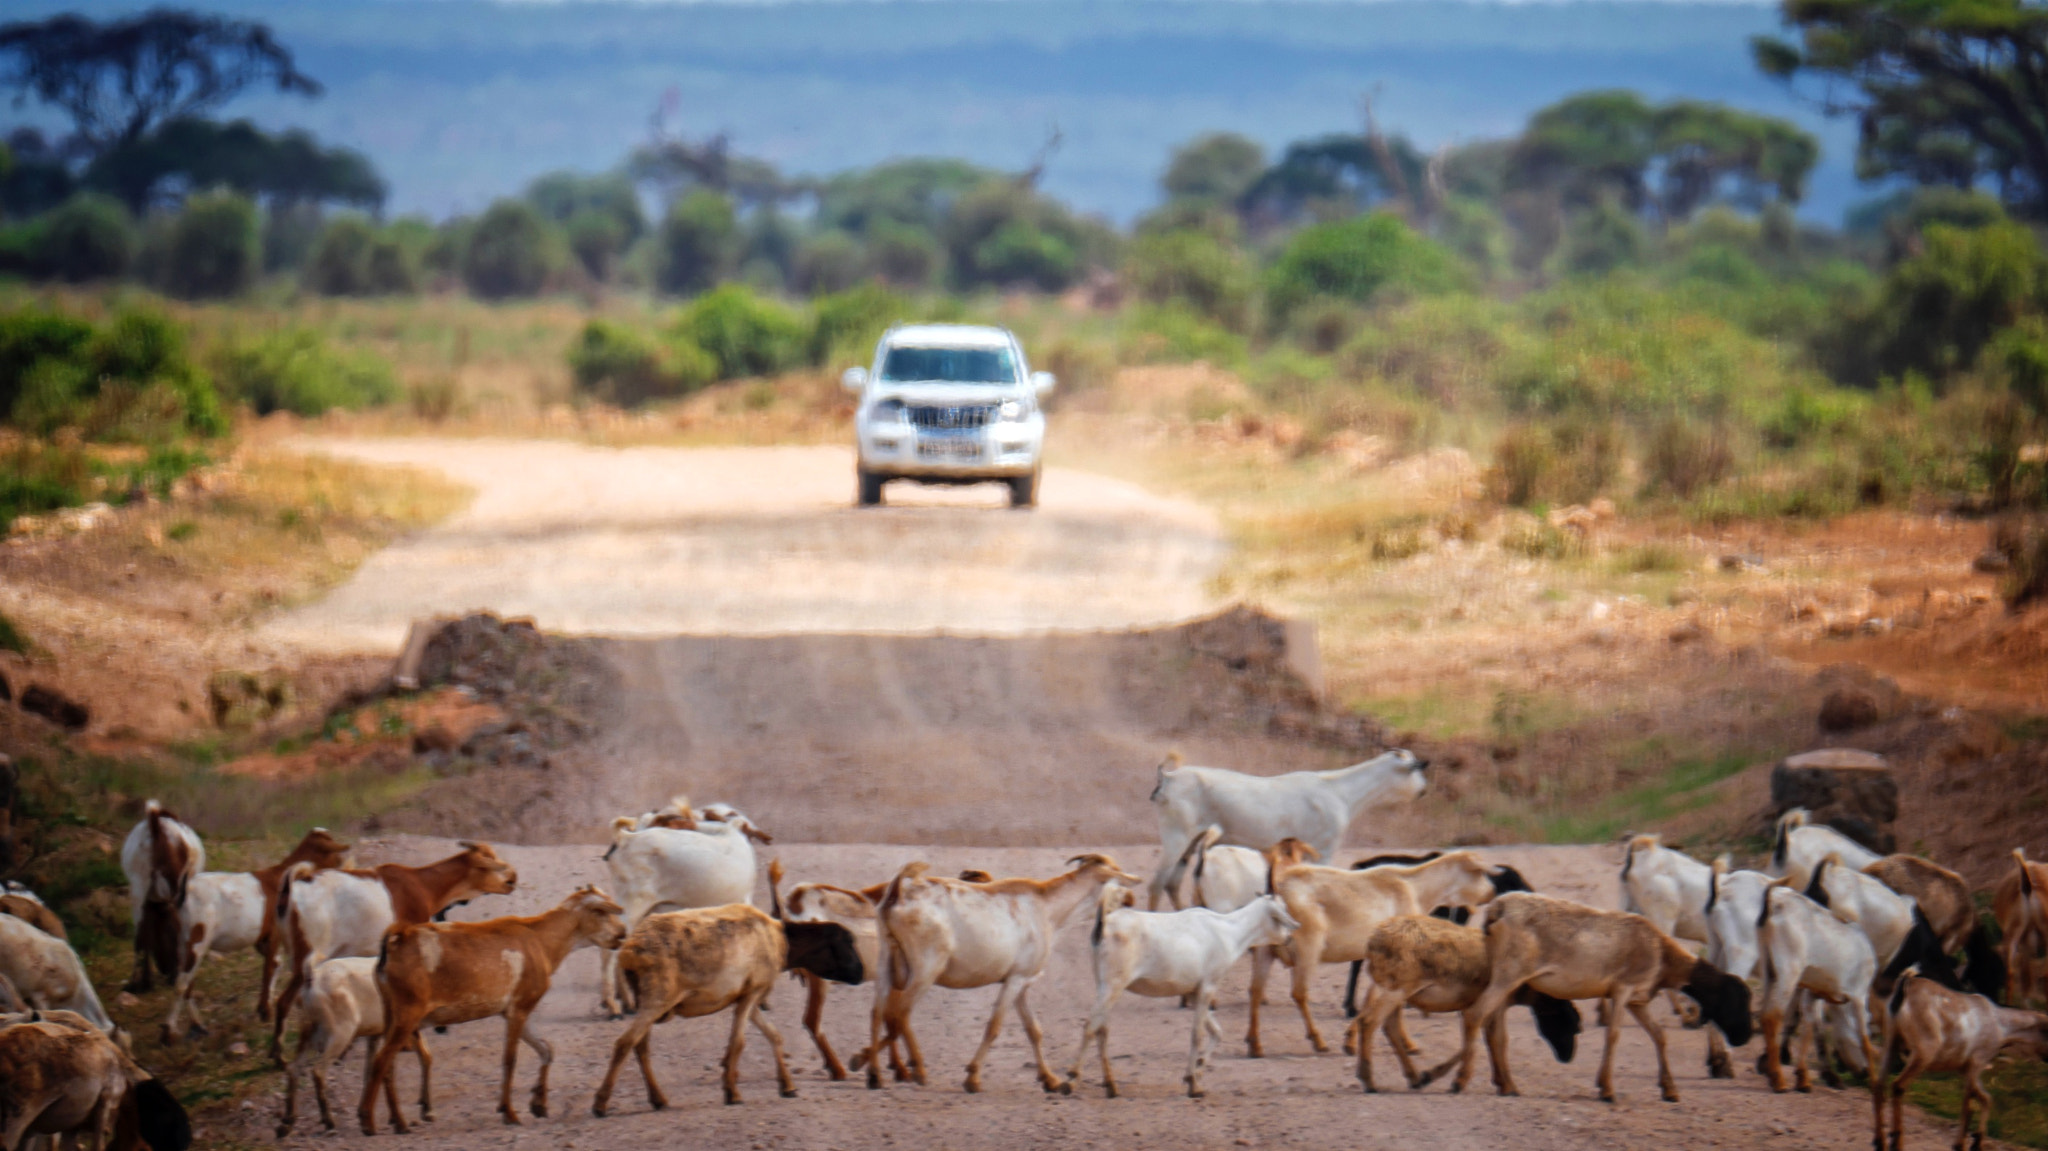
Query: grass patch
(11, 638)
(1678, 790)
(2019, 1093)
(1645, 558)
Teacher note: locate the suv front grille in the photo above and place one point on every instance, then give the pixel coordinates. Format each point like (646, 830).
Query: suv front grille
(951, 419)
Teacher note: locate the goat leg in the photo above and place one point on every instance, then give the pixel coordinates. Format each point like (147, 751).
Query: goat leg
(1036, 1034)
(783, 1082)
(814, 1016)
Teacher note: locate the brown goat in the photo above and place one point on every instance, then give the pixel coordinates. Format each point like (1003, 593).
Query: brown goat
(436, 974)
(318, 848)
(59, 1075)
(688, 964)
(327, 914)
(1570, 951)
(1937, 1029)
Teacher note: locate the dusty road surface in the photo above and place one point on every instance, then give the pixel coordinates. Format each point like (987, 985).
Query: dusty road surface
(1292, 1097)
(664, 541)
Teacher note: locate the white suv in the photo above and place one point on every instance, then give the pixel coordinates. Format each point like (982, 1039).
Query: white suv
(949, 404)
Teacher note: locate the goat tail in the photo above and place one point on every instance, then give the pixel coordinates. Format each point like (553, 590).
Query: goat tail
(1780, 839)
(1197, 851)
(1112, 896)
(1635, 844)
(1172, 763)
(1715, 874)
(296, 873)
(2019, 857)
(775, 887)
(893, 894)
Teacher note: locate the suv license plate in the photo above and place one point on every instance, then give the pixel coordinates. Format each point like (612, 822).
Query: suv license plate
(962, 449)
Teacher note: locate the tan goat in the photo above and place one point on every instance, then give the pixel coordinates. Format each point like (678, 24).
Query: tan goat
(434, 974)
(1570, 951)
(689, 964)
(2020, 901)
(946, 933)
(855, 911)
(1339, 909)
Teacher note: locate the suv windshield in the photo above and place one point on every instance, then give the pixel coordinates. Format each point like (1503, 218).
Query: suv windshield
(950, 365)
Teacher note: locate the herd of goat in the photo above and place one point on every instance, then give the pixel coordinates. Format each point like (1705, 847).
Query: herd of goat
(1855, 955)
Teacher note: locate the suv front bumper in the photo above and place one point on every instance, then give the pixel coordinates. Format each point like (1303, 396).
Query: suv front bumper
(996, 452)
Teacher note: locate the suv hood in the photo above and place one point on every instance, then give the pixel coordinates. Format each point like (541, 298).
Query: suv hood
(946, 395)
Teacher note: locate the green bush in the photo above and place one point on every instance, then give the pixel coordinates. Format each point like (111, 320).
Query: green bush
(1193, 268)
(339, 263)
(212, 249)
(1685, 456)
(847, 324)
(1568, 462)
(1020, 254)
(1600, 240)
(511, 253)
(904, 255)
(830, 262)
(598, 239)
(1174, 334)
(620, 365)
(744, 334)
(1938, 310)
(88, 237)
(1357, 260)
(696, 243)
(294, 370)
(392, 269)
(127, 380)
(35, 479)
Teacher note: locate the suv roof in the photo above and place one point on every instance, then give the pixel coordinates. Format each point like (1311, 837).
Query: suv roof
(948, 336)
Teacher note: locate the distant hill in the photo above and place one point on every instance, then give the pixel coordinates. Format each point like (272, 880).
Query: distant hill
(459, 101)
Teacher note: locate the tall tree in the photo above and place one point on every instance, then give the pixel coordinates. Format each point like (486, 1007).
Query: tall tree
(1944, 91)
(119, 79)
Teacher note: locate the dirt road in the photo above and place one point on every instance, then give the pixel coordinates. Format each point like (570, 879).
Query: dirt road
(1291, 1098)
(666, 541)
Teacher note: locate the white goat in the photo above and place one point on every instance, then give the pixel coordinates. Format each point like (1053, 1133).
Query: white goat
(229, 911)
(1316, 807)
(340, 1005)
(1176, 953)
(1805, 947)
(708, 865)
(949, 933)
(1899, 934)
(1798, 846)
(160, 857)
(46, 973)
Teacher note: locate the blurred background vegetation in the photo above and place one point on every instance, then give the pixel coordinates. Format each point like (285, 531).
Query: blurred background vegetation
(1618, 301)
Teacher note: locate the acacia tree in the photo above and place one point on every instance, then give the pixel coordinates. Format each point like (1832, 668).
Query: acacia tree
(119, 79)
(1944, 91)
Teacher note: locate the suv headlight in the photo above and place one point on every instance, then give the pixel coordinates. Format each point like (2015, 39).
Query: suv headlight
(1012, 411)
(888, 412)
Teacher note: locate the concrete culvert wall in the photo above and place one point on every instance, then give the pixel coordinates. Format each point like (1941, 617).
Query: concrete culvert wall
(1047, 739)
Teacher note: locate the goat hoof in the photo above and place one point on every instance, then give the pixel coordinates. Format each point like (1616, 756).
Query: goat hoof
(972, 1086)
(1607, 1097)
(1670, 1096)
(540, 1111)
(1197, 1093)
(789, 1093)
(732, 1100)
(284, 1129)
(874, 1083)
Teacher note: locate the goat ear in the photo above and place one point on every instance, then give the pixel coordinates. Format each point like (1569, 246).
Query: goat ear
(1732, 1010)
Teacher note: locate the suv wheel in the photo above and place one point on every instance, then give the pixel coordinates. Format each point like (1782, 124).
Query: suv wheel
(871, 488)
(1024, 490)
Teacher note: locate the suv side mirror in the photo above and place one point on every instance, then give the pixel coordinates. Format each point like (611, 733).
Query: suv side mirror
(855, 379)
(1042, 382)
